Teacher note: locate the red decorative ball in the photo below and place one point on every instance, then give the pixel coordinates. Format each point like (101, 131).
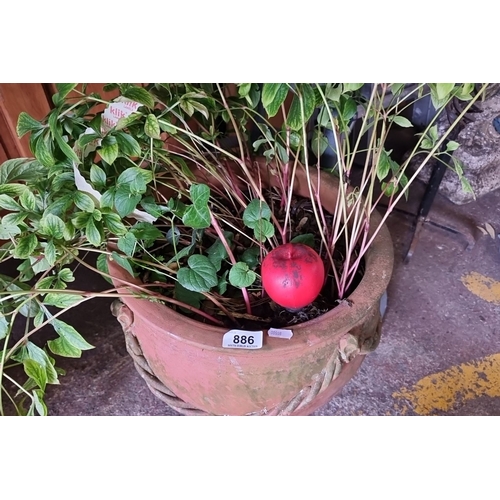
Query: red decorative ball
(293, 275)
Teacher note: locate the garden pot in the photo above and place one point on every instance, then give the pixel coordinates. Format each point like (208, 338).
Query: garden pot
(184, 363)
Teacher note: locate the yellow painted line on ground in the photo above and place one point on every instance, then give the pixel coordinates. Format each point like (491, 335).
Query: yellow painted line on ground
(442, 391)
(483, 287)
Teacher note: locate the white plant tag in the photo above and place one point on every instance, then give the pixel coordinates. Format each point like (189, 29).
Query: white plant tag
(280, 333)
(240, 339)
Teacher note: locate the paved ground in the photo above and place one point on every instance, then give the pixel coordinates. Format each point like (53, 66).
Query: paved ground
(440, 348)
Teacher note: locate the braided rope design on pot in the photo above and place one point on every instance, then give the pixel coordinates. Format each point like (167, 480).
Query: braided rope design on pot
(349, 347)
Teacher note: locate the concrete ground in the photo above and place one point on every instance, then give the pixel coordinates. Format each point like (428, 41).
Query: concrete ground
(440, 347)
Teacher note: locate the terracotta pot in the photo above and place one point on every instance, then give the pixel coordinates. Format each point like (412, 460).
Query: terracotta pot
(287, 377)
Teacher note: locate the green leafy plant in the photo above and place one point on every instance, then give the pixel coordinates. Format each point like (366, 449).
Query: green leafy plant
(189, 187)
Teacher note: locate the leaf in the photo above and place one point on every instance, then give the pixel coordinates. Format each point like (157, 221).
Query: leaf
(241, 276)
(114, 224)
(201, 108)
(452, 146)
(28, 200)
(306, 239)
(38, 402)
(128, 146)
(319, 143)
(62, 347)
(102, 266)
(66, 275)
(384, 166)
(254, 212)
(93, 233)
(251, 257)
(25, 246)
(8, 203)
(98, 176)
(352, 86)
(125, 202)
(127, 244)
(64, 89)
(122, 262)
(84, 202)
(26, 123)
(44, 151)
(466, 186)
(200, 276)
(125, 121)
(61, 299)
(402, 121)
(273, 96)
(187, 296)
(50, 253)
(70, 335)
(52, 225)
(147, 232)
(348, 109)
(197, 216)
(140, 95)
(20, 169)
(217, 252)
(4, 327)
(296, 118)
(244, 89)
(443, 90)
(36, 371)
(152, 127)
(109, 153)
(263, 230)
(32, 351)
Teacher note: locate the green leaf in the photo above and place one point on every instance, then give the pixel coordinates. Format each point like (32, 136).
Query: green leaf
(102, 266)
(352, 86)
(296, 118)
(244, 89)
(109, 153)
(128, 145)
(32, 351)
(125, 121)
(55, 129)
(20, 169)
(44, 151)
(114, 224)
(200, 276)
(97, 176)
(152, 127)
(348, 109)
(25, 246)
(66, 275)
(62, 347)
(319, 143)
(334, 93)
(50, 253)
(306, 239)
(26, 123)
(384, 166)
(84, 202)
(273, 96)
(64, 89)
(197, 216)
(125, 202)
(254, 212)
(28, 200)
(263, 230)
(135, 178)
(402, 121)
(52, 225)
(38, 402)
(187, 296)
(39, 318)
(61, 299)
(466, 186)
(70, 335)
(93, 232)
(201, 108)
(241, 276)
(8, 203)
(36, 371)
(251, 257)
(4, 327)
(452, 146)
(127, 244)
(217, 252)
(147, 232)
(140, 95)
(443, 90)
(122, 262)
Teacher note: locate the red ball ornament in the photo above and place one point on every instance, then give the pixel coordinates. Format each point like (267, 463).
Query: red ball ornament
(293, 275)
